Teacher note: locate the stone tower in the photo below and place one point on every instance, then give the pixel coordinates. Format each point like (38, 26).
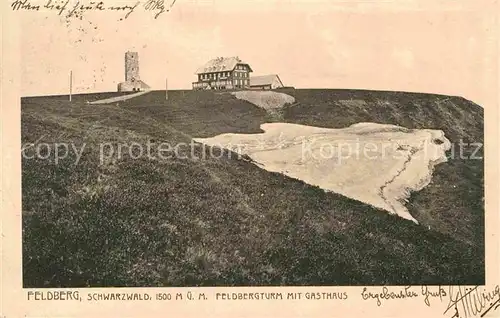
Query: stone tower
(131, 66)
(132, 82)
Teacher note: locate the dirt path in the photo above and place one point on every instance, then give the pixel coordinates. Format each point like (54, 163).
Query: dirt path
(118, 98)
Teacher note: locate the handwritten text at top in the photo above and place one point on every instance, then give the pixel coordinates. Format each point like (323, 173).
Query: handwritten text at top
(78, 8)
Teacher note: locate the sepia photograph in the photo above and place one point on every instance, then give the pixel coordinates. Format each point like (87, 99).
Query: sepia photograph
(249, 158)
(260, 144)
(283, 158)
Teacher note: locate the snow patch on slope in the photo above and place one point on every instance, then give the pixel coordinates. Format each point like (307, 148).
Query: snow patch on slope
(265, 99)
(374, 163)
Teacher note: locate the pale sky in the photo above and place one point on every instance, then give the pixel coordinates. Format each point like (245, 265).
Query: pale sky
(429, 46)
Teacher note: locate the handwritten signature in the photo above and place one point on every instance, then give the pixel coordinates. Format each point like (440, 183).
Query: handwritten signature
(472, 301)
(463, 302)
(63, 7)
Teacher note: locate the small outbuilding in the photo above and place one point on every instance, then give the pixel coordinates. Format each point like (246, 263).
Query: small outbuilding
(271, 81)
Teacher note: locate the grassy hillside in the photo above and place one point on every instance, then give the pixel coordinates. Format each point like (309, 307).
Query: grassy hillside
(206, 222)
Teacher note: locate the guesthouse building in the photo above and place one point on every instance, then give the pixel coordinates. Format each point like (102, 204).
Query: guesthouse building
(223, 73)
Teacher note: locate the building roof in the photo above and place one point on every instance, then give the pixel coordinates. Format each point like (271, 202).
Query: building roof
(221, 64)
(264, 80)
